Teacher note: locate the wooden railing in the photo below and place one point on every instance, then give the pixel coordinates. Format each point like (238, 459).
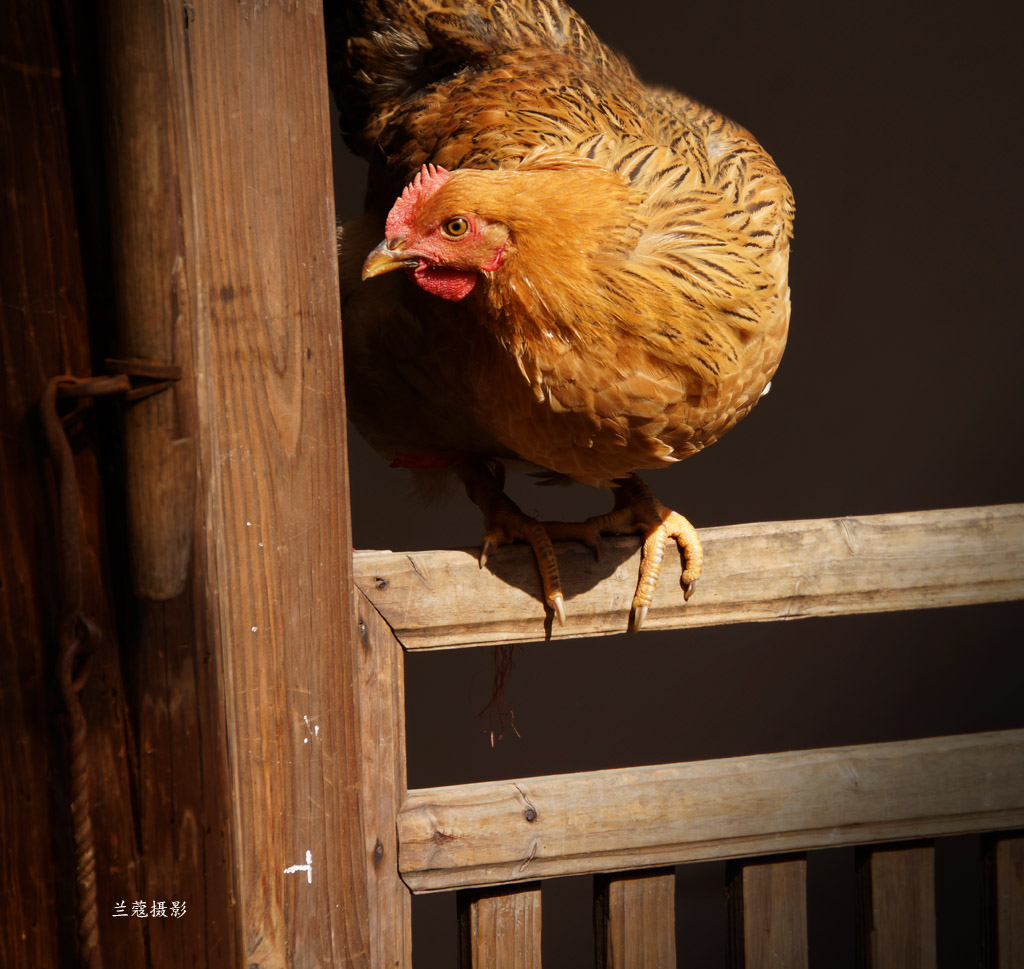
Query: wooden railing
(492, 841)
(765, 571)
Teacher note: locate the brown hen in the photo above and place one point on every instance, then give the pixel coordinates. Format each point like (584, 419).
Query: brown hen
(595, 270)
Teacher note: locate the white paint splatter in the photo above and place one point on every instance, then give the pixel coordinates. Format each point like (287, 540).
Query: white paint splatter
(312, 729)
(307, 868)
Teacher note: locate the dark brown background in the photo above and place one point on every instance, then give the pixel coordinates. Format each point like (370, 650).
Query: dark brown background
(898, 127)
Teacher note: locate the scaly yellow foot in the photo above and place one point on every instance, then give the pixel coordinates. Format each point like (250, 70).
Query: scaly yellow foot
(637, 510)
(505, 522)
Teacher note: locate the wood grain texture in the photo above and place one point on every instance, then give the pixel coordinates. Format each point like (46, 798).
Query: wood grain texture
(186, 846)
(897, 907)
(251, 125)
(382, 728)
(500, 929)
(507, 831)
(37, 270)
(145, 175)
(770, 570)
(185, 806)
(44, 332)
(768, 914)
(635, 920)
(1003, 901)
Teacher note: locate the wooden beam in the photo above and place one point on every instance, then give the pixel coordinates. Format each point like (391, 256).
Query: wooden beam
(771, 570)
(897, 907)
(635, 920)
(500, 929)
(254, 296)
(768, 914)
(507, 831)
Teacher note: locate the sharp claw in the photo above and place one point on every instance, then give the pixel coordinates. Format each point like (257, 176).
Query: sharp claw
(639, 616)
(558, 605)
(689, 588)
(485, 552)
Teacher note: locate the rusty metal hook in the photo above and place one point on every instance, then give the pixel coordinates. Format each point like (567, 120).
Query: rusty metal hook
(78, 636)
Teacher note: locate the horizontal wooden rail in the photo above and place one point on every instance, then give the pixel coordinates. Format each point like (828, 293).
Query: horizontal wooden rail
(492, 833)
(770, 570)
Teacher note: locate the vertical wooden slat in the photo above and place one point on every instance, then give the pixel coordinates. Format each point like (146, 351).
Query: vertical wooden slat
(634, 915)
(255, 310)
(382, 724)
(500, 928)
(1003, 896)
(897, 907)
(768, 914)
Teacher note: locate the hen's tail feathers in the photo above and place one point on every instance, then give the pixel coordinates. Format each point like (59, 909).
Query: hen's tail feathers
(381, 51)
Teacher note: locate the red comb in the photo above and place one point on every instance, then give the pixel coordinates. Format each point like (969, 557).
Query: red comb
(427, 181)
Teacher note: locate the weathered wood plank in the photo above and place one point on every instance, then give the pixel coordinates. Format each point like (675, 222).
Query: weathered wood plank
(382, 728)
(635, 920)
(500, 929)
(44, 332)
(771, 570)
(490, 833)
(276, 599)
(185, 807)
(897, 907)
(768, 914)
(1003, 897)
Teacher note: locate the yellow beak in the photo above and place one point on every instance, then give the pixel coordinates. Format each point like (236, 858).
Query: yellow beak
(386, 257)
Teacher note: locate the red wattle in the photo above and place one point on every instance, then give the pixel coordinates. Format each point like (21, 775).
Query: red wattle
(453, 284)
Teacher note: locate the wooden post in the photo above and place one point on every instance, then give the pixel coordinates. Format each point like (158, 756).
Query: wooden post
(382, 698)
(897, 906)
(237, 277)
(635, 919)
(768, 914)
(499, 928)
(1003, 898)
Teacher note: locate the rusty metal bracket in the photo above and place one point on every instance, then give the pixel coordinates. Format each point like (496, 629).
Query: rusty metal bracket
(161, 375)
(160, 478)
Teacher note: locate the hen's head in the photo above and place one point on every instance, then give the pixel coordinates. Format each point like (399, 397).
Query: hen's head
(433, 232)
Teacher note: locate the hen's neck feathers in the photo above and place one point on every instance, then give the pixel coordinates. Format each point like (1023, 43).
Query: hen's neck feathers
(568, 230)
(588, 266)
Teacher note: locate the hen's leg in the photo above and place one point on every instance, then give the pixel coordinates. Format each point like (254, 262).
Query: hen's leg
(504, 521)
(637, 510)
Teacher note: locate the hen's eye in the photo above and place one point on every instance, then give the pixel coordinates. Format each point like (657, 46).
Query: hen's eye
(456, 227)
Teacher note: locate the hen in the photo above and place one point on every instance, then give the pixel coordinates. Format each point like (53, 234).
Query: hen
(595, 270)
